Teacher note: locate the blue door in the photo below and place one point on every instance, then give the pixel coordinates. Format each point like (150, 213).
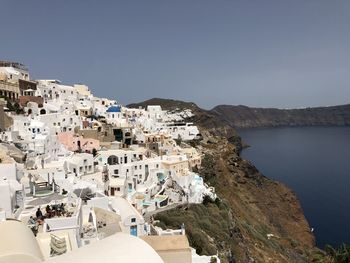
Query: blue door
(133, 231)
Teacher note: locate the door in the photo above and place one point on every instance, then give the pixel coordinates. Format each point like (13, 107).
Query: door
(133, 231)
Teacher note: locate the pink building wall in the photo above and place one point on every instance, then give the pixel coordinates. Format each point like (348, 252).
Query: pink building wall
(70, 140)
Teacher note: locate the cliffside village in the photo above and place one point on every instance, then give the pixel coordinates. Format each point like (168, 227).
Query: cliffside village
(78, 170)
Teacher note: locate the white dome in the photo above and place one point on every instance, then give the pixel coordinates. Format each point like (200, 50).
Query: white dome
(117, 248)
(18, 244)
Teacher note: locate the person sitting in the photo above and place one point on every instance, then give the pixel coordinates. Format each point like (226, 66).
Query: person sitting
(39, 214)
(33, 226)
(31, 221)
(62, 208)
(48, 211)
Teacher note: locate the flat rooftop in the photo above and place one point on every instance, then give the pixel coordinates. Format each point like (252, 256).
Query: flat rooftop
(13, 64)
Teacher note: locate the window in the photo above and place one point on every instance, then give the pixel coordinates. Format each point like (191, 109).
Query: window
(116, 171)
(133, 220)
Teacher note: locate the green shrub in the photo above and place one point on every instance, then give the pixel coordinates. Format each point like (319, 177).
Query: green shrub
(201, 222)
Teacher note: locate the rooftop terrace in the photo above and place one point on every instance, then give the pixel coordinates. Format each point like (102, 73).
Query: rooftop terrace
(13, 64)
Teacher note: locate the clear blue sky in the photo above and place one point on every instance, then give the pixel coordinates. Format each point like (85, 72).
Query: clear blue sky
(260, 53)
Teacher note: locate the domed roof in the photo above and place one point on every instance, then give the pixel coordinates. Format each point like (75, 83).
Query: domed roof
(18, 244)
(114, 109)
(119, 247)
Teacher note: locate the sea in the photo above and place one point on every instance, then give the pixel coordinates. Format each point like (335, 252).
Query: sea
(315, 163)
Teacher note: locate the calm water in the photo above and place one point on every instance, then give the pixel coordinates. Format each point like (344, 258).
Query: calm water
(315, 163)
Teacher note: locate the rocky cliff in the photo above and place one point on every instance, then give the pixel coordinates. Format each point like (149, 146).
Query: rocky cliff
(249, 117)
(255, 218)
(246, 117)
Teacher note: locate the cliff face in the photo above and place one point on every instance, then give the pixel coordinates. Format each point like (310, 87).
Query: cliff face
(268, 224)
(246, 117)
(256, 218)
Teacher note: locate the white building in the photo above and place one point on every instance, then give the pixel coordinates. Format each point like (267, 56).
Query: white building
(11, 191)
(114, 115)
(61, 122)
(80, 164)
(54, 90)
(184, 131)
(132, 222)
(129, 170)
(14, 71)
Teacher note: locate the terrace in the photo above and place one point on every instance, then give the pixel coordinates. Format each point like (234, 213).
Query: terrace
(13, 64)
(52, 213)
